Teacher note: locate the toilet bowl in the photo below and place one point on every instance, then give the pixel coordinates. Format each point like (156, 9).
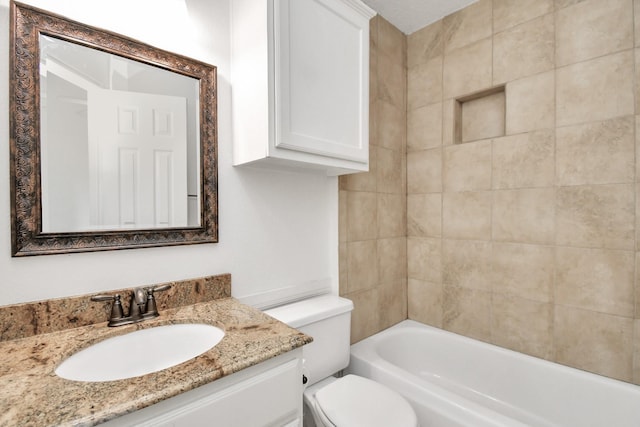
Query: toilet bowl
(332, 401)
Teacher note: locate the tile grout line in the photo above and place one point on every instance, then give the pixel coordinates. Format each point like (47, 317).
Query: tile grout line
(492, 333)
(635, 357)
(553, 337)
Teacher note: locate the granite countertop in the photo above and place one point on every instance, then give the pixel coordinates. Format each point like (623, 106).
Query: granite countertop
(31, 394)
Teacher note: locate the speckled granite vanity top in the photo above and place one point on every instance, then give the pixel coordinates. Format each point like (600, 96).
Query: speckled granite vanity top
(31, 394)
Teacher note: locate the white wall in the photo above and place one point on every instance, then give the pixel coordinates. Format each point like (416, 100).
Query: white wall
(277, 229)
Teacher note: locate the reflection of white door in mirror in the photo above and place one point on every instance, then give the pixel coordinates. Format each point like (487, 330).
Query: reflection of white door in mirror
(112, 138)
(138, 145)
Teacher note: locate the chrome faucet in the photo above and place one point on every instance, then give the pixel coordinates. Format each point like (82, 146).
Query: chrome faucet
(141, 307)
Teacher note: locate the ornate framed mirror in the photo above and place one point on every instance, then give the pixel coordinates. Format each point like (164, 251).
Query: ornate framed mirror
(113, 142)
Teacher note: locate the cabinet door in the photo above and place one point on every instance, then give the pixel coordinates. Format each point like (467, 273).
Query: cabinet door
(265, 395)
(321, 78)
(266, 400)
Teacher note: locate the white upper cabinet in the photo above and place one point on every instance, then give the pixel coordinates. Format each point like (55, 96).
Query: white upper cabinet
(300, 84)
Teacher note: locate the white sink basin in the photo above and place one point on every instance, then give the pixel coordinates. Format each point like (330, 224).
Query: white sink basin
(140, 352)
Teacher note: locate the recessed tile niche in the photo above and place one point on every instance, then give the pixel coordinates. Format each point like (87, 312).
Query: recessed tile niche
(480, 116)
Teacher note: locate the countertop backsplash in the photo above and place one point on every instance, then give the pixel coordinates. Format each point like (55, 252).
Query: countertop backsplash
(41, 317)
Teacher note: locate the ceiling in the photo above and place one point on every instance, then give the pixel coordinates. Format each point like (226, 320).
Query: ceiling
(411, 15)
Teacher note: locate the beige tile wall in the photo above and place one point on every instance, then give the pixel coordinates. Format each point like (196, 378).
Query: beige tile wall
(373, 215)
(529, 241)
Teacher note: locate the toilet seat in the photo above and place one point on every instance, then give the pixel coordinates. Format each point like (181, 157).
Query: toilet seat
(357, 401)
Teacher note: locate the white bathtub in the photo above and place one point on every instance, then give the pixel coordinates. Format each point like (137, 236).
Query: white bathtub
(451, 380)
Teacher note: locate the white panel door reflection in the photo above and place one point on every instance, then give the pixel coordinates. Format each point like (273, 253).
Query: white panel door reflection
(138, 158)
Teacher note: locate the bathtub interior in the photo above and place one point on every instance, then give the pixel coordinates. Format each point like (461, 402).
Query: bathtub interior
(442, 368)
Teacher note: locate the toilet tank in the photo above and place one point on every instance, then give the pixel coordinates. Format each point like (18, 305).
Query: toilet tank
(327, 319)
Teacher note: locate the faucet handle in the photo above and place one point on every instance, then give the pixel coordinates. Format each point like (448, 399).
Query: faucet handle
(152, 308)
(103, 297)
(158, 288)
(116, 309)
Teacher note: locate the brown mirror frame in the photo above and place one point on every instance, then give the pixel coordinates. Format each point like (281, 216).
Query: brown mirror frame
(27, 238)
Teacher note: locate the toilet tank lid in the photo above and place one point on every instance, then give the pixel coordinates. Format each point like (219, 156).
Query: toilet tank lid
(305, 312)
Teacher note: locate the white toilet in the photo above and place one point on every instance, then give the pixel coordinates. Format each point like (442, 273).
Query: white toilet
(349, 401)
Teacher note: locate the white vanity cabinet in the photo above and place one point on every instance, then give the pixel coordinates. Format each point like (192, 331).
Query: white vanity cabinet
(265, 395)
(300, 84)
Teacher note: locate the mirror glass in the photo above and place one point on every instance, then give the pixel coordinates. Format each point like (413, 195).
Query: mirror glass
(119, 142)
(113, 142)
